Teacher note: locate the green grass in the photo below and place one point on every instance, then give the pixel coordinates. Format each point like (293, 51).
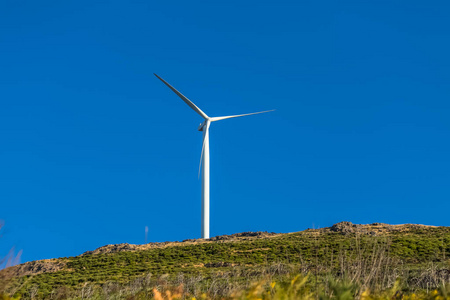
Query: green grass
(321, 255)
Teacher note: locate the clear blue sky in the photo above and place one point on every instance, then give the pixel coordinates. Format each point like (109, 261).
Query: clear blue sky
(94, 147)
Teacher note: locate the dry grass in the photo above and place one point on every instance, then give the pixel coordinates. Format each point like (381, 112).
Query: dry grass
(7, 275)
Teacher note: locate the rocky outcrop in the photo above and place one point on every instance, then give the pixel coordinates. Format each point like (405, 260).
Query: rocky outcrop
(34, 267)
(253, 234)
(344, 228)
(347, 228)
(112, 249)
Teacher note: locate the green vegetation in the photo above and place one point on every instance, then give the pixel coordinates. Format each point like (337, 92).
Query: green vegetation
(326, 262)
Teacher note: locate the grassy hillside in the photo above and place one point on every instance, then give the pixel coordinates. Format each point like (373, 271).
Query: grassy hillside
(372, 256)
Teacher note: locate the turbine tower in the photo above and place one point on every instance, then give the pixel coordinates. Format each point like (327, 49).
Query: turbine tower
(204, 157)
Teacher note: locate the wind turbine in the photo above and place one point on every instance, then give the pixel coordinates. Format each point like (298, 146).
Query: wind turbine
(204, 158)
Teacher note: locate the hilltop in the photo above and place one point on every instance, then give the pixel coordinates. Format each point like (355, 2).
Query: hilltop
(373, 254)
(344, 228)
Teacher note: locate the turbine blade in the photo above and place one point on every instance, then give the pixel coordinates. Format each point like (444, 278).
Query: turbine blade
(206, 127)
(201, 157)
(186, 100)
(235, 116)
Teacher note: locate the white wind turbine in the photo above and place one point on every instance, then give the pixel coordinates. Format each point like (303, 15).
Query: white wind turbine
(204, 158)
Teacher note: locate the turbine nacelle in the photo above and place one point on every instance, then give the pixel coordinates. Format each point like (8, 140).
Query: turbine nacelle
(201, 126)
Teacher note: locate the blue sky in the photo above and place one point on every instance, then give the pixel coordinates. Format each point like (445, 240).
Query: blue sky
(94, 147)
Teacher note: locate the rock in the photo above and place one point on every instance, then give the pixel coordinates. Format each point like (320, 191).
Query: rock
(218, 264)
(257, 234)
(35, 267)
(112, 249)
(344, 228)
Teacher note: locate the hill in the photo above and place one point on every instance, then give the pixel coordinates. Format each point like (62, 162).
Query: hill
(373, 256)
